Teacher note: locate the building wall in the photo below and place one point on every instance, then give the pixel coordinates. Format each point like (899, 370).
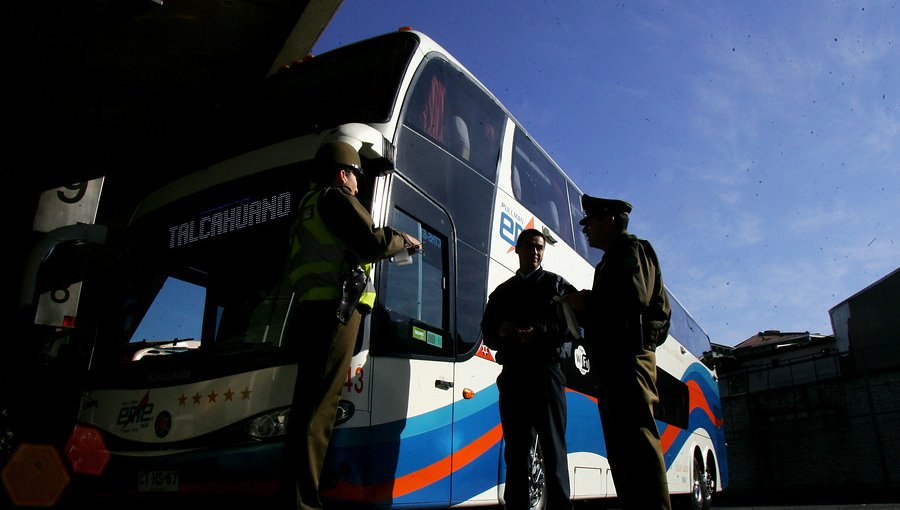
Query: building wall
(869, 324)
(874, 324)
(761, 375)
(819, 426)
(836, 437)
(840, 322)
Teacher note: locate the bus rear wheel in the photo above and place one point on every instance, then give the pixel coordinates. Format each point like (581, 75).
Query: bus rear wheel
(702, 483)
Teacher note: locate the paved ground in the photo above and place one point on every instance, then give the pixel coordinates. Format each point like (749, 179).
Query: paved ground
(881, 506)
(862, 506)
(737, 506)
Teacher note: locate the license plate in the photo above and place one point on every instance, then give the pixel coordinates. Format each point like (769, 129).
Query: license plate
(157, 481)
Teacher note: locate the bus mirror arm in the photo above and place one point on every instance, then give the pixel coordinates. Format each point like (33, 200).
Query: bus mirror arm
(90, 233)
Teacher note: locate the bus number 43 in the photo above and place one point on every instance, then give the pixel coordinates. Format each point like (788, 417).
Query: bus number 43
(354, 379)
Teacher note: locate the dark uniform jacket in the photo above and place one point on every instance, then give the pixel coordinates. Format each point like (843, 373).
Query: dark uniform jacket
(628, 307)
(527, 301)
(350, 222)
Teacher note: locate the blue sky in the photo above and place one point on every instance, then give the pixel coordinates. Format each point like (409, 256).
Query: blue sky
(759, 142)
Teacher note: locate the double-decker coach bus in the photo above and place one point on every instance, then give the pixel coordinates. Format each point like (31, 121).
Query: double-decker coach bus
(192, 371)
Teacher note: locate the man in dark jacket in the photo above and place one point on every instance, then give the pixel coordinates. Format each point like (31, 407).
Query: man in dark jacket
(625, 316)
(333, 237)
(523, 323)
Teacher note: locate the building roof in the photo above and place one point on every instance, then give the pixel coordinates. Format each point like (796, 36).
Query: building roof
(774, 338)
(876, 283)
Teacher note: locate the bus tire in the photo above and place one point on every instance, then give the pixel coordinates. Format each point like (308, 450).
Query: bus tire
(702, 483)
(537, 479)
(711, 478)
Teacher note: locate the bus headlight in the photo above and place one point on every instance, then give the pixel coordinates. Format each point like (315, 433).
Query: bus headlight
(269, 425)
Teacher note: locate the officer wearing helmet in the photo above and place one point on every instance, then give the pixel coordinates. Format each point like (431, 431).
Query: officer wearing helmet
(333, 245)
(625, 315)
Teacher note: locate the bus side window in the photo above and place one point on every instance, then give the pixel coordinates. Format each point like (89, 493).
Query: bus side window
(426, 108)
(540, 186)
(451, 111)
(592, 255)
(459, 138)
(439, 92)
(475, 125)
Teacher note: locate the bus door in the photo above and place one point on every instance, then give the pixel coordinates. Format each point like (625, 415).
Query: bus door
(411, 367)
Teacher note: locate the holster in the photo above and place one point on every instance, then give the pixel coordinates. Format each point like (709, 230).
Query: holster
(351, 290)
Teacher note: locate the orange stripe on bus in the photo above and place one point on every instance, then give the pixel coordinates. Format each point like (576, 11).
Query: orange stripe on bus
(442, 468)
(421, 478)
(668, 437)
(698, 399)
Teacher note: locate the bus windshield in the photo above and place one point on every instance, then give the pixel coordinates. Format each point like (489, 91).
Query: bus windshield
(196, 281)
(206, 273)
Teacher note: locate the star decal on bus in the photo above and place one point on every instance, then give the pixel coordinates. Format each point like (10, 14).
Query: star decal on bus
(213, 396)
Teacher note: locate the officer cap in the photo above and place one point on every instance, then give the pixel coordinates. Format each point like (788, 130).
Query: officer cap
(594, 206)
(339, 154)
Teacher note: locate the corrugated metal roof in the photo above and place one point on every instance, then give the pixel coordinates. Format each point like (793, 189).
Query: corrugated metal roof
(775, 338)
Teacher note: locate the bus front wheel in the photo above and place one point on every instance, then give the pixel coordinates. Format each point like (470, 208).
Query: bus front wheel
(537, 481)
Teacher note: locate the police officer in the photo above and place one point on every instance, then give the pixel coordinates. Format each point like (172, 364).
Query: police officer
(625, 316)
(523, 323)
(333, 238)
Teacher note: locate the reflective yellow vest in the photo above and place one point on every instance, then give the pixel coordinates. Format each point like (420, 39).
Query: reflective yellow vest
(367, 300)
(318, 258)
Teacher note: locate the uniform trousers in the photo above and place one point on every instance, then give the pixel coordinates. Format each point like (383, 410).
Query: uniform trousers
(324, 348)
(534, 398)
(627, 396)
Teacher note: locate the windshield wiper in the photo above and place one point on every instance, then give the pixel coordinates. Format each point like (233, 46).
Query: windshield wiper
(165, 347)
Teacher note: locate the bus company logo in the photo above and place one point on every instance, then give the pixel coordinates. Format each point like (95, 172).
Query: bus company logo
(163, 424)
(582, 362)
(135, 415)
(510, 229)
